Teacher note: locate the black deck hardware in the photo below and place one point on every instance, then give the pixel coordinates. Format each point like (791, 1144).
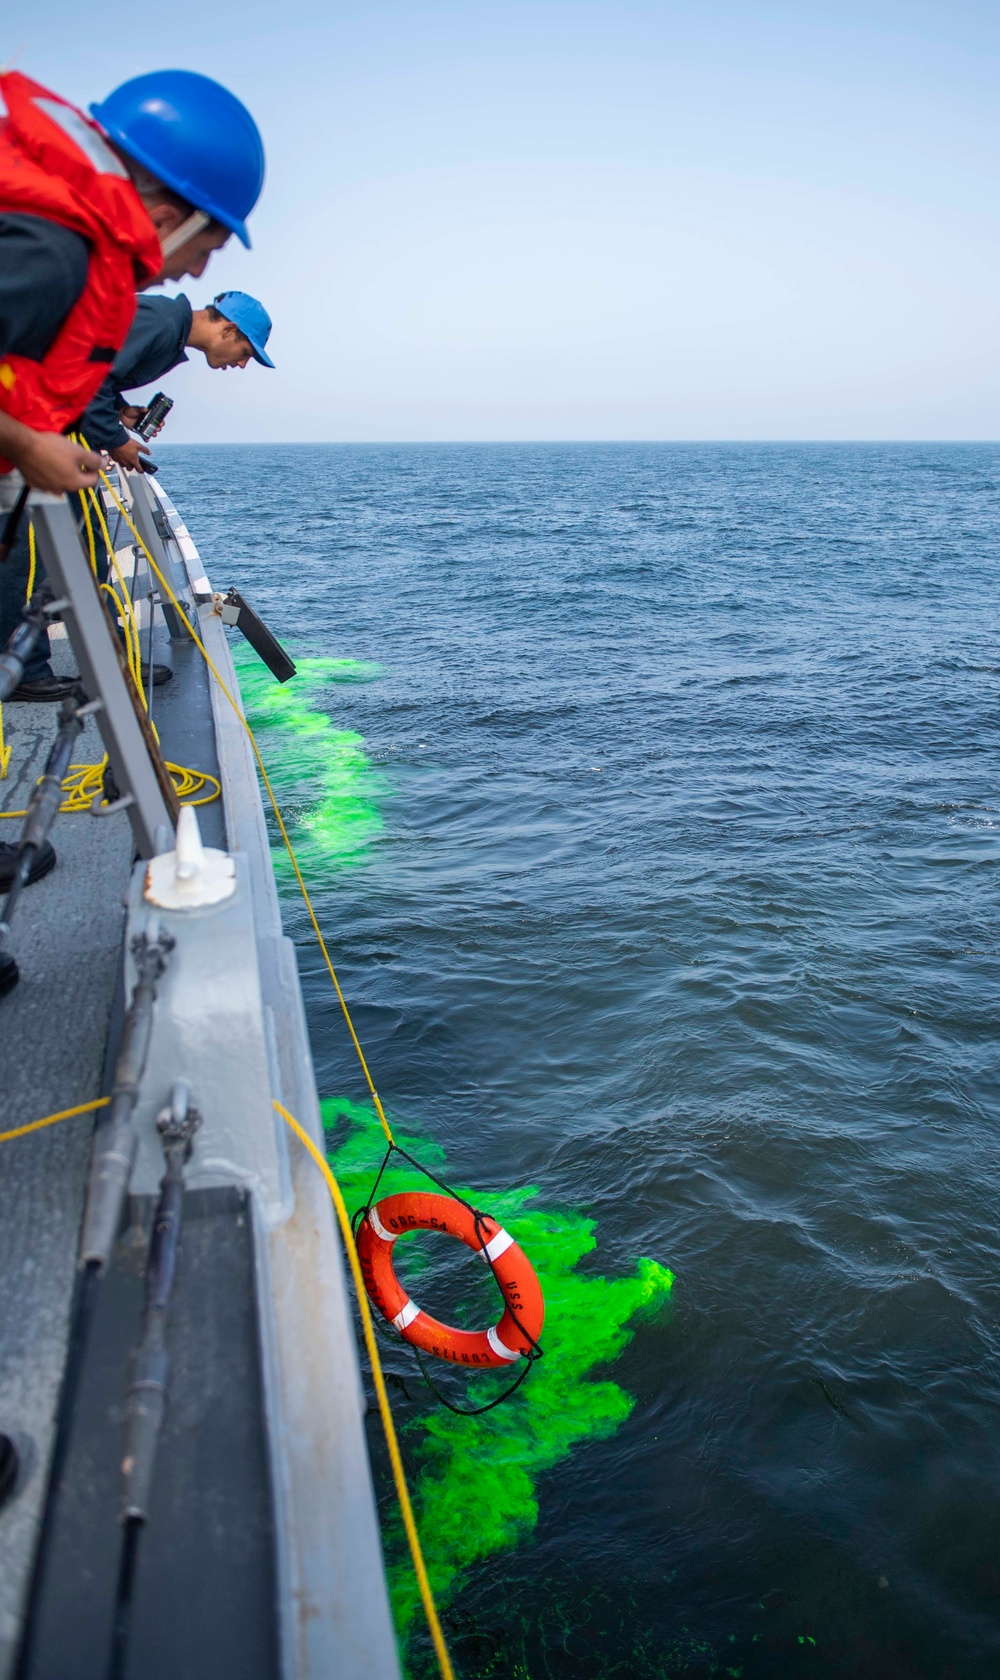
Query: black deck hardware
(210, 1543)
(22, 641)
(9, 1468)
(46, 798)
(115, 1147)
(147, 1395)
(116, 1141)
(237, 612)
(12, 523)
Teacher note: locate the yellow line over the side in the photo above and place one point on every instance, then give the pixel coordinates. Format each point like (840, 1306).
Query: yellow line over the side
(391, 1441)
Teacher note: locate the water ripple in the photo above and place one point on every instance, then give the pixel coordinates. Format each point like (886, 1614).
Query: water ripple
(685, 908)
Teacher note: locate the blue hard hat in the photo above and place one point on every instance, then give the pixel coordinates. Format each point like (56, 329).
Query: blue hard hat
(252, 319)
(195, 136)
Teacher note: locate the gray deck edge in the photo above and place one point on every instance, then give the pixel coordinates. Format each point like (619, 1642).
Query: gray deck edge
(330, 1560)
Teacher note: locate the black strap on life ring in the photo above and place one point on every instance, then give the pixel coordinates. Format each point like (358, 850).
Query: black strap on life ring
(479, 1219)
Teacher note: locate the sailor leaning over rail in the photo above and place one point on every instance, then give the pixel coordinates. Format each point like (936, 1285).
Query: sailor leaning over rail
(93, 209)
(91, 212)
(230, 332)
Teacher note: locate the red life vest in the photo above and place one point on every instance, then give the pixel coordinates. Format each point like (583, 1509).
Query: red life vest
(56, 164)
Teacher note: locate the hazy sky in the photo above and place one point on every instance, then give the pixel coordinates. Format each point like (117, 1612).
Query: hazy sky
(562, 219)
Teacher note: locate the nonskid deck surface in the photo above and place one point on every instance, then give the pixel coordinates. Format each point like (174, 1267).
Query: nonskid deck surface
(209, 1545)
(55, 1026)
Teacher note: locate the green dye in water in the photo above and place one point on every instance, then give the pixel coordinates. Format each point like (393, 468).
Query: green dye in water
(475, 1490)
(322, 778)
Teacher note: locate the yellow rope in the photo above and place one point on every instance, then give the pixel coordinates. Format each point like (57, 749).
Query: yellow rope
(85, 781)
(124, 604)
(6, 751)
(128, 629)
(86, 520)
(169, 593)
(32, 562)
(50, 1119)
(391, 1439)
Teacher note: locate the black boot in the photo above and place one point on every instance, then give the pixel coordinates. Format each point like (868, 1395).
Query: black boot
(46, 688)
(161, 674)
(8, 974)
(8, 1468)
(45, 861)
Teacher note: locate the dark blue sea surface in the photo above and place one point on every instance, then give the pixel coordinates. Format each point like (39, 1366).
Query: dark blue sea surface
(685, 909)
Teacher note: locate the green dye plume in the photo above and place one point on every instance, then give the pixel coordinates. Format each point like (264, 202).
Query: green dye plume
(322, 778)
(475, 1491)
(475, 1488)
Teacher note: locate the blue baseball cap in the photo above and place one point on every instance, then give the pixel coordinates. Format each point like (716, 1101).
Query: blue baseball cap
(252, 319)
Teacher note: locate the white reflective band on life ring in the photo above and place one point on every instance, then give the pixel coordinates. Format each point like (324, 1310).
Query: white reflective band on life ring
(494, 1248)
(378, 1227)
(500, 1348)
(407, 1314)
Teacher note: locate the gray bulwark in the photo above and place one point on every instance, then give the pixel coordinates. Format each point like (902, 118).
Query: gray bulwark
(333, 1620)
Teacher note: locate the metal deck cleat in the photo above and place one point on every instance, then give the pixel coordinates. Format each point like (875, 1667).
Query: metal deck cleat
(192, 876)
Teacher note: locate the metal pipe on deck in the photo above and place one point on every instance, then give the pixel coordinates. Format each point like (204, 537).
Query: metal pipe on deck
(147, 1395)
(116, 1142)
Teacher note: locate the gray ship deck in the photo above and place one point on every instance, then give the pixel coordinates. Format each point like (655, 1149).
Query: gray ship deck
(263, 1527)
(55, 1031)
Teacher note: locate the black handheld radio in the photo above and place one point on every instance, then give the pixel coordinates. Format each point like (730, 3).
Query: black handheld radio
(153, 416)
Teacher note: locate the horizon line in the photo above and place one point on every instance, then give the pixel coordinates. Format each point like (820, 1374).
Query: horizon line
(569, 443)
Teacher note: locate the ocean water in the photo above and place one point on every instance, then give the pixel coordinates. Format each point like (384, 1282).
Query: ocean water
(650, 799)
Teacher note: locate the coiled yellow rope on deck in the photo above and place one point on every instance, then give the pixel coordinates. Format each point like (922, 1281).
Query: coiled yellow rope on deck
(85, 781)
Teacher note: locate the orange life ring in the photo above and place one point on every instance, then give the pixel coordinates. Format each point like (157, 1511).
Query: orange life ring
(418, 1210)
